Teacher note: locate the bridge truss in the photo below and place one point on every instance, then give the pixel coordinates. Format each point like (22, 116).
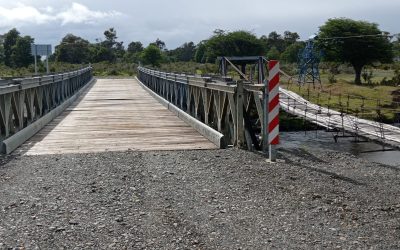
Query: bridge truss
(27, 104)
(236, 110)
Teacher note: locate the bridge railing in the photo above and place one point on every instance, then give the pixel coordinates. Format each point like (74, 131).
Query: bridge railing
(25, 100)
(235, 110)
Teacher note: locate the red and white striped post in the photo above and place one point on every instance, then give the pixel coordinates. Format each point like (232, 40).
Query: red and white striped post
(271, 114)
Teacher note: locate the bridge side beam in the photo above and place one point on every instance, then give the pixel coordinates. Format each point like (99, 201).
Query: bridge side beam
(24, 106)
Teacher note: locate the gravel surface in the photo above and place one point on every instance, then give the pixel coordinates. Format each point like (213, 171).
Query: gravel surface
(212, 199)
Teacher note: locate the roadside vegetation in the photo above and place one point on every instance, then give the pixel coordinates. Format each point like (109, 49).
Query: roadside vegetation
(360, 69)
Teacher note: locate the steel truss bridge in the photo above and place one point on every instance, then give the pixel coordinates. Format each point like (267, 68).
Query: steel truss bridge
(74, 113)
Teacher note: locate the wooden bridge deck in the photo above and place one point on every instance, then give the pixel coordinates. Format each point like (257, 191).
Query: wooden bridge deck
(115, 115)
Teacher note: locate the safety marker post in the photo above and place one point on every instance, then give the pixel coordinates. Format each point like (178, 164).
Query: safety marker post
(272, 110)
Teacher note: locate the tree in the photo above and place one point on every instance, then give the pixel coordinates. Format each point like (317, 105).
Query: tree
(119, 50)
(219, 32)
(160, 44)
(73, 49)
(237, 43)
(184, 53)
(291, 54)
(396, 47)
(21, 52)
(152, 55)
(362, 43)
(10, 39)
(133, 52)
(1, 49)
(278, 41)
(273, 40)
(111, 38)
(100, 53)
(17, 49)
(290, 38)
(135, 47)
(273, 53)
(200, 52)
(115, 49)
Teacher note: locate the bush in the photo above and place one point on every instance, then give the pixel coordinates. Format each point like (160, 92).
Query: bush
(289, 68)
(385, 81)
(396, 78)
(367, 75)
(190, 68)
(113, 72)
(334, 68)
(114, 69)
(347, 69)
(331, 78)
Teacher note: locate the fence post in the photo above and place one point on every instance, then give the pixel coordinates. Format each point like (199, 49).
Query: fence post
(271, 111)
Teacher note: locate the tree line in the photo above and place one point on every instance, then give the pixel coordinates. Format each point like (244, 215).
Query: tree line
(335, 39)
(15, 49)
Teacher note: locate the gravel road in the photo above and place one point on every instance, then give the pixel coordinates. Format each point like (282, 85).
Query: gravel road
(211, 199)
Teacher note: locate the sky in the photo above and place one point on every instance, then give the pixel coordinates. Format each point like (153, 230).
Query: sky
(179, 21)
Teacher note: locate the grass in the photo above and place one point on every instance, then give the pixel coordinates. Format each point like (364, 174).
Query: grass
(99, 69)
(6, 72)
(190, 68)
(114, 69)
(378, 75)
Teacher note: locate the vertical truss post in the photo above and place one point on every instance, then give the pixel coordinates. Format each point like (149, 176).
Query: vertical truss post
(239, 114)
(223, 67)
(261, 77)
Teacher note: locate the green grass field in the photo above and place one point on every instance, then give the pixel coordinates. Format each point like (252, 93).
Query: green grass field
(378, 75)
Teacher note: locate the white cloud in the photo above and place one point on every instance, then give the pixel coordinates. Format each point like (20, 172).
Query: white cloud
(22, 14)
(79, 13)
(49, 9)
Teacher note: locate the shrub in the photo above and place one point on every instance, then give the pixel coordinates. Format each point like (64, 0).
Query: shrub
(331, 78)
(367, 76)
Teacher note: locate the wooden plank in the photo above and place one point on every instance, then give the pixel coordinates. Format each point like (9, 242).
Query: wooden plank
(115, 115)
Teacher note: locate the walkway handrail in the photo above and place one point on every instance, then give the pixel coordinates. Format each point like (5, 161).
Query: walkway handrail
(25, 100)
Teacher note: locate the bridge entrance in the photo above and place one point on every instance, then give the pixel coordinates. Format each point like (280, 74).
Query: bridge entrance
(115, 115)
